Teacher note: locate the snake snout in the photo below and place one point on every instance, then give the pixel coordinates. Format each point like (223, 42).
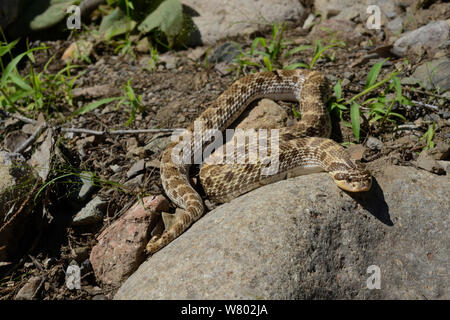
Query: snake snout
(353, 183)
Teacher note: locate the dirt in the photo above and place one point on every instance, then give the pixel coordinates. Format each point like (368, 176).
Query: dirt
(172, 99)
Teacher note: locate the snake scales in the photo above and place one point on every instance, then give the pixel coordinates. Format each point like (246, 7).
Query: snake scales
(303, 147)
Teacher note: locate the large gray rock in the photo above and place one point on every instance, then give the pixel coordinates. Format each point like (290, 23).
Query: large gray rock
(305, 238)
(430, 36)
(351, 9)
(217, 20)
(433, 74)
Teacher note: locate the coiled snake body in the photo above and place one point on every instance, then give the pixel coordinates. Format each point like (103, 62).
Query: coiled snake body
(302, 148)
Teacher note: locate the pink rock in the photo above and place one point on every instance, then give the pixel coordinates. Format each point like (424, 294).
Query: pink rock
(120, 247)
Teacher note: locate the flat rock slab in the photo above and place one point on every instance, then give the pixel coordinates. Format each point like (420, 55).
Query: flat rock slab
(216, 20)
(430, 36)
(303, 238)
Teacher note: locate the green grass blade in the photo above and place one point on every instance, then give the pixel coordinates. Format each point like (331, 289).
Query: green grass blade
(297, 49)
(338, 90)
(346, 124)
(296, 113)
(267, 63)
(261, 53)
(431, 132)
(19, 81)
(338, 106)
(8, 47)
(398, 88)
(354, 115)
(373, 87)
(13, 64)
(378, 107)
(93, 106)
(320, 50)
(373, 73)
(10, 68)
(375, 118)
(296, 66)
(395, 114)
(255, 44)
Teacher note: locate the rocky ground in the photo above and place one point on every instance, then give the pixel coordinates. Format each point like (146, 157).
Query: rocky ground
(326, 238)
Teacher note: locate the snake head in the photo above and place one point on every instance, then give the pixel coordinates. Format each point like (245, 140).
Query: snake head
(355, 180)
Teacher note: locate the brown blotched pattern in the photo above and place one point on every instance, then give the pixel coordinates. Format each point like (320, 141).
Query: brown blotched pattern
(303, 148)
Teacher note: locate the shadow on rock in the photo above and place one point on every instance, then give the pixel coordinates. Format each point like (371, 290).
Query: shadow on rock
(373, 201)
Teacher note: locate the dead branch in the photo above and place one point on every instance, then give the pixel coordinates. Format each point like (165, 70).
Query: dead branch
(121, 132)
(31, 139)
(18, 116)
(426, 105)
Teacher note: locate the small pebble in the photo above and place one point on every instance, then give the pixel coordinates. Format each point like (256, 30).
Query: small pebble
(374, 144)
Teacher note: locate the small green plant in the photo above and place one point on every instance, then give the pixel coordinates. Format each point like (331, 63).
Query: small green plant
(379, 107)
(429, 136)
(132, 100)
(319, 52)
(268, 55)
(35, 91)
(129, 99)
(263, 54)
(154, 57)
(125, 46)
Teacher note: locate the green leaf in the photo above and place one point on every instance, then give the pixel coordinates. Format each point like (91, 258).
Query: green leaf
(261, 53)
(318, 46)
(354, 115)
(267, 63)
(429, 135)
(370, 100)
(20, 94)
(115, 23)
(378, 107)
(12, 65)
(346, 124)
(373, 73)
(382, 99)
(397, 115)
(298, 49)
(248, 62)
(168, 17)
(296, 66)
(94, 105)
(341, 106)
(320, 50)
(271, 48)
(296, 113)
(274, 31)
(338, 90)
(255, 43)
(8, 47)
(19, 81)
(398, 88)
(376, 118)
(346, 143)
(405, 101)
